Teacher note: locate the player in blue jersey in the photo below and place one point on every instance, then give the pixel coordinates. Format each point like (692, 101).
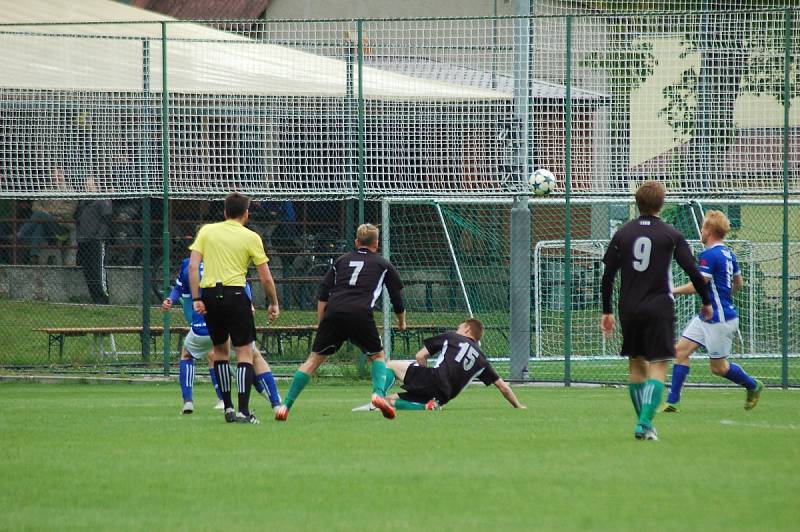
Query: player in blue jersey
(721, 272)
(197, 344)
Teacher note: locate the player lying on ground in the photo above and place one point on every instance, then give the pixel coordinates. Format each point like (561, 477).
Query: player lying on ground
(459, 360)
(347, 296)
(197, 345)
(643, 250)
(721, 272)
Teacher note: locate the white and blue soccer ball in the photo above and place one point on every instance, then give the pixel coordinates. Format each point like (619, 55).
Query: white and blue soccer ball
(542, 182)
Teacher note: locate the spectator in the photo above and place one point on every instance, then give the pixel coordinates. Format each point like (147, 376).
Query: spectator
(93, 227)
(127, 229)
(48, 217)
(6, 214)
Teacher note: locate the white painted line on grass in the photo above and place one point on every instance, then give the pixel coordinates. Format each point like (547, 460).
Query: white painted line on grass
(758, 425)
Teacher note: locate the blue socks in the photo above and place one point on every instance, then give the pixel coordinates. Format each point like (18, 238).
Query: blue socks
(215, 382)
(679, 374)
(186, 378)
(739, 376)
(266, 382)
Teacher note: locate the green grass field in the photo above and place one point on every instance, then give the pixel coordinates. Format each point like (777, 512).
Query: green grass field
(120, 457)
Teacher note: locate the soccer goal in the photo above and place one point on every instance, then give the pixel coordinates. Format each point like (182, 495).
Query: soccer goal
(455, 257)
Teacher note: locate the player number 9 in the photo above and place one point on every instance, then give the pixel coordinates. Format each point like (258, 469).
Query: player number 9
(641, 253)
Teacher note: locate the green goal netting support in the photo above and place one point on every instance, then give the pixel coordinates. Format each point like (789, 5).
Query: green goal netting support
(454, 262)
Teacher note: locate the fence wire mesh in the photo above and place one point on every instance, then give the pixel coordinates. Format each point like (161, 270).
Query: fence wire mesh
(118, 140)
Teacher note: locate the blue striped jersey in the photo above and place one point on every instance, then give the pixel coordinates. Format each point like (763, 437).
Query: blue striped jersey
(718, 263)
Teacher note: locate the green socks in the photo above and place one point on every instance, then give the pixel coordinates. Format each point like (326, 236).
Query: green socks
(378, 372)
(298, 383)
(402, 404)
(635, 389)
(390, 378)
(652, 393)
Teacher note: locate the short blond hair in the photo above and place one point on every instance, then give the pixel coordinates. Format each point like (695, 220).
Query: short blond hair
(475, 327)
(650, 197)
(367, 235)
(717, 223)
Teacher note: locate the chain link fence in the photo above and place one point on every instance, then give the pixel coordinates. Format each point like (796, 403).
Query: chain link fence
(120, 139)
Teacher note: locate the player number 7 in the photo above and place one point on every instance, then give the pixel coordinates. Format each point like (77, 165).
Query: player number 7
(358, 265)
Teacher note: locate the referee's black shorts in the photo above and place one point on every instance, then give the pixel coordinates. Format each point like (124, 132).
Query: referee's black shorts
(649, 330)
(335, 328)
(229, 314)
(420, 385)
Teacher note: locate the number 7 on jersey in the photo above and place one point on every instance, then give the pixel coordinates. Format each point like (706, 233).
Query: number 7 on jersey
(357, 266)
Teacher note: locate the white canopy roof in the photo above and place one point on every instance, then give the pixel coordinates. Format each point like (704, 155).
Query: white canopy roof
(200, 59)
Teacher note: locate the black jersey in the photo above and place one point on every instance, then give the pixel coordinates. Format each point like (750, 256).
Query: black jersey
(355, 282)
(643, 250)
(459, 360)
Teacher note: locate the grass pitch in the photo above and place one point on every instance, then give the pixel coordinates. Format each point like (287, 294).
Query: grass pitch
(109, 457)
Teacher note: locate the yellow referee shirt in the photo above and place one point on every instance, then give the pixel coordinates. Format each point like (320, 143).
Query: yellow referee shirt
(227, 248)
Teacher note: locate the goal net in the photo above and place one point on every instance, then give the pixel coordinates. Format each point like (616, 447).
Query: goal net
(454, 257)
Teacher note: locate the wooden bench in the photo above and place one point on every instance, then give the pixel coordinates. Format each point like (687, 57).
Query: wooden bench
(272, 341)
(273, 338)
(56, 336)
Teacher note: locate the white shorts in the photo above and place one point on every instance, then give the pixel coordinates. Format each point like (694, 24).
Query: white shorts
(197, 346)
(716, 338)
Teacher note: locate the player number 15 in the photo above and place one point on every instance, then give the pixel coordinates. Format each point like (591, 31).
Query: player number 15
(468, 354)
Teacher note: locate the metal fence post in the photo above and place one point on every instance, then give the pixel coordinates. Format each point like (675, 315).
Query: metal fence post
(787, 63)
(361, 121)
(568, 210)
(146, 218)
(520, 289)
(165, 180)
(387, 252)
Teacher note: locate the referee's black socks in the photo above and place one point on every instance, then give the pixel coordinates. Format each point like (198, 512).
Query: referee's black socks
(245, 375)
(223, 370)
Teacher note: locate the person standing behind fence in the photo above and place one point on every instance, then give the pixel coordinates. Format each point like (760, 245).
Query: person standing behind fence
(92, 228)
(48, 217)
(226, 250)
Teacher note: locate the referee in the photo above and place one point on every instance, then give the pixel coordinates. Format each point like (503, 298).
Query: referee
(226, 250)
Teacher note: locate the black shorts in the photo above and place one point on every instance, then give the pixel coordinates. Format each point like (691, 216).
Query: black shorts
(420, 385)
(229, 314)
(649, 332)
(335, 329)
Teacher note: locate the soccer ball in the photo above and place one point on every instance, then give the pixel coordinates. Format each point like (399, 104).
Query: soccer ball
(542, 182)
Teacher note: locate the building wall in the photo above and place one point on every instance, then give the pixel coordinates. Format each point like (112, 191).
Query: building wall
(317, 9)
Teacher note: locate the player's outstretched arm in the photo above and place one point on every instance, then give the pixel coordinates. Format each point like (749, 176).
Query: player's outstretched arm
(738, 283)
(611, 262)
(683, 256)
(321, 306)
(687, 289)
(194, 281)
(422, 357)
(268, 284)
(508, 393)
(395, 288)
(324, 292)
(173, 296)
